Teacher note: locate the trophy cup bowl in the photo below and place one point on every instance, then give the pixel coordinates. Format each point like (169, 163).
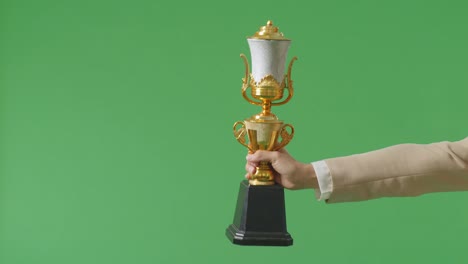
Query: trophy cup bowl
(263, 135)
(260, 217)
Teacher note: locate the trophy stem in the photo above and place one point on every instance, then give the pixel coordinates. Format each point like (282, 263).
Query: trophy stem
(266, 108)
(264, 174)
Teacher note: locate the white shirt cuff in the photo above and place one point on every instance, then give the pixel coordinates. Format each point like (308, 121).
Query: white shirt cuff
(324, 179)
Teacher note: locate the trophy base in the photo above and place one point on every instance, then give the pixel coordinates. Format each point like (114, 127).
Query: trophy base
(257, 182)
(260, 217)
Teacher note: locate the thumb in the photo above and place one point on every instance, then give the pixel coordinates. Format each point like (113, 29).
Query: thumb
(263, 155)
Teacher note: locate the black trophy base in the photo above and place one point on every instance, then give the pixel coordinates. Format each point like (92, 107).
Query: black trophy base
(260, 217)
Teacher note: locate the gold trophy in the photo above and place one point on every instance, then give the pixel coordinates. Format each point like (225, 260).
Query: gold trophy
(260, 217)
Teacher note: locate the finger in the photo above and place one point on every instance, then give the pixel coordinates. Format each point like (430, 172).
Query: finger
(283, 150)
(253, 164)
(247, 176)
(278, 179)
(263, 155)
(250, 168)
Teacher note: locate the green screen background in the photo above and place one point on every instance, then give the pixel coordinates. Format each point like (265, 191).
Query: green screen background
(116, 118)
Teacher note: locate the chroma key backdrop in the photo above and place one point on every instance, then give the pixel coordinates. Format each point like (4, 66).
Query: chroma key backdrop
(116, 117)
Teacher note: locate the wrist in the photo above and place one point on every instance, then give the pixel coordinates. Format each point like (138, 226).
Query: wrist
(309, 176)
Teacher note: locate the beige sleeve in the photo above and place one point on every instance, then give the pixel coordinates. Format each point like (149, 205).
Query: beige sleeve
(401, 170)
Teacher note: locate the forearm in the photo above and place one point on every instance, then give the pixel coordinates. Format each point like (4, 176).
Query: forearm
(401, 170)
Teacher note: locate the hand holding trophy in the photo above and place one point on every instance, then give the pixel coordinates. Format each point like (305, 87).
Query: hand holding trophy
(260, 217)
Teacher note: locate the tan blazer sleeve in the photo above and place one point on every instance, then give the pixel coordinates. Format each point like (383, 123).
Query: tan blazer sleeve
(401, 170)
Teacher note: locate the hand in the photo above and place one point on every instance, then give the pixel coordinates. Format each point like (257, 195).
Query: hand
(289, 173)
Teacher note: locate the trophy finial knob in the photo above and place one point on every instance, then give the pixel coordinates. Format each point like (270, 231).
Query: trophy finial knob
(269, 32)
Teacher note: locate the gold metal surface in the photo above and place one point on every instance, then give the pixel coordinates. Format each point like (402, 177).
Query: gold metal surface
(268, 90)
(240, 134)
(264, 175)
(269, 32)
(264, 131)
(270, 135)
(285, 136)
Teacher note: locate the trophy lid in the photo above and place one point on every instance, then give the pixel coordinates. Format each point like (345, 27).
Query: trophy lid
(268, 32)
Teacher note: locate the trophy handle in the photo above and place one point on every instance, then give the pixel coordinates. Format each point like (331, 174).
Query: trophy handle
(285, 135)
(240, 134)
(245, 82)
(287, 83)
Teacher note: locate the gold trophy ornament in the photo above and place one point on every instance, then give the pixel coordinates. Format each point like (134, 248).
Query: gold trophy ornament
(260, 217)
